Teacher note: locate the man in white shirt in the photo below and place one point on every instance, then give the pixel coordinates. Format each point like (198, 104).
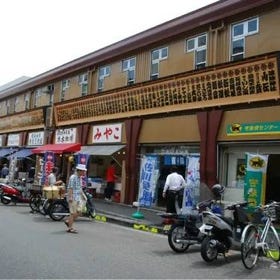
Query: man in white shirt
(173, 184)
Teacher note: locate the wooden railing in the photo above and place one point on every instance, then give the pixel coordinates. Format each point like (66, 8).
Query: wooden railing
(252, 81)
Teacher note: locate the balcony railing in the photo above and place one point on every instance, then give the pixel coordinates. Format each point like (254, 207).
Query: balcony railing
(253, 80)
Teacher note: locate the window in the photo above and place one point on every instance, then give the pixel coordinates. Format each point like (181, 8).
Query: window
(157, 56)
(65, 84)
(128, 66)
(239, 32)
(83, 82)
(198, 45)
(26, 101)
(103, 72)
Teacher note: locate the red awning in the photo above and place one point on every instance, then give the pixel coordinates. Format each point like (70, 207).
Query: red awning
(58, 148)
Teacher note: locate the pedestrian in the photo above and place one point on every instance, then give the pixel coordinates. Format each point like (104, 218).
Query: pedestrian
(5, 171)
(173, 185)
(110, 179)
(75, 196)
(52, 177)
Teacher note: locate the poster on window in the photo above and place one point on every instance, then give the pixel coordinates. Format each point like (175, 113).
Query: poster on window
(149, 172)
(255, 179)
(191, 191)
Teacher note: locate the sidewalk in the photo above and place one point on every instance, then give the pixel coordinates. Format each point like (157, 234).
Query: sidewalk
(122, 214)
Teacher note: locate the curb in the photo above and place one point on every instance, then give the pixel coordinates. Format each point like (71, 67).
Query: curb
(137, 225)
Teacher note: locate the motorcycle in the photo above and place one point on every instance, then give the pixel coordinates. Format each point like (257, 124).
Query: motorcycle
(59, 208)
(18, 193)
(222, 233)
(183, 229)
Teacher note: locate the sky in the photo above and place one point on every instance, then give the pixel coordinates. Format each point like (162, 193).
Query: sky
(39, 35)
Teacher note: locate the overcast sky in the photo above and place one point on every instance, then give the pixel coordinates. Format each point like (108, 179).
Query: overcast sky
(39, 35)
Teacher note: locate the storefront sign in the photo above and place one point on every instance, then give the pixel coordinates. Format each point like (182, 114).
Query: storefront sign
(13, 140)
(148, 177)
(255, 179)
(258, 128)
(111, 133)
(36, 138)
(65, 136)
(253, 81)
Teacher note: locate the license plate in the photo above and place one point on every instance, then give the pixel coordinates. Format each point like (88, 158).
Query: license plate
(167, 227)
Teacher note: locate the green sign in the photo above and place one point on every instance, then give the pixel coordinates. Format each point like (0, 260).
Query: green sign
(258, 128)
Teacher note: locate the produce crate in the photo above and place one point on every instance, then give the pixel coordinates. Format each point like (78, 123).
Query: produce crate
(52, 192)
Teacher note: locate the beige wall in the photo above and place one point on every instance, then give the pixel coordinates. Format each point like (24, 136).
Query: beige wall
(249, 116)
(170, 129)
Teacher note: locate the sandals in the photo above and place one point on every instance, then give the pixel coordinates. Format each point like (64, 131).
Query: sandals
(72, 230)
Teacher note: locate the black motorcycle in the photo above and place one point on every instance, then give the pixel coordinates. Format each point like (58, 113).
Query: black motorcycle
(184, 228)
(59, 208)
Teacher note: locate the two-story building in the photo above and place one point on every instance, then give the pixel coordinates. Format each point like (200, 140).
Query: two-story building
(200, 91)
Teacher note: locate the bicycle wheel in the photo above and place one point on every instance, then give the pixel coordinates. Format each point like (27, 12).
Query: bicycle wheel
(34, 203)
(272, 245)
(249, 250)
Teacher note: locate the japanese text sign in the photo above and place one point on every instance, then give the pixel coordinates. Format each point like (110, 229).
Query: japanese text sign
(111, 133)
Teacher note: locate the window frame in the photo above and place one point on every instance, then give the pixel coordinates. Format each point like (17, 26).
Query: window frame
(129, 69)
(157, 60)
(101, 77)
(234, 38)
(196, 49)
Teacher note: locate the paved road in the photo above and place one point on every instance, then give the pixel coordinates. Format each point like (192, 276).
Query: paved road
(33, 246)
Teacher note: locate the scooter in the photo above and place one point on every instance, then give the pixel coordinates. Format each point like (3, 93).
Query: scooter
(222, 233)
(15, 194)
(59, 208)
(183, 229)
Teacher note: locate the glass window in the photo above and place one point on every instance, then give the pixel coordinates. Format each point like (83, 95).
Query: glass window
(252, 25)
(103, 72)
(157, 56)
(128, 66)
(199, 46)
(238, 30)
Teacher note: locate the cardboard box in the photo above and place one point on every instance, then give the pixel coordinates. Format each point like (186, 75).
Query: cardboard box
(51, 192)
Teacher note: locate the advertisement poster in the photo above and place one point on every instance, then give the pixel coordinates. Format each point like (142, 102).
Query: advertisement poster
(255, 179)
(48, 166)
(149, 173)
(83, 159)
(191, 191)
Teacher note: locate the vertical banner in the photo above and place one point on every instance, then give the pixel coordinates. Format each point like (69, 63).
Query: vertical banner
(83, 159)
(255, 179)
(48, 166)
(148, 177)
(191, 191)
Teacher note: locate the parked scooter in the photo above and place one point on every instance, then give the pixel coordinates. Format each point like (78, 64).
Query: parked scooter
(184, 228)
(17, 194)
(222, 233)
(59, 208)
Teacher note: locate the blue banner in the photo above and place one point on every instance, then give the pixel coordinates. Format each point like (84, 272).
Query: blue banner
(148, 177)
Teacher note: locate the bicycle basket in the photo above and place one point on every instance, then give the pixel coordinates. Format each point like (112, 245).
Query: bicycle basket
(273, 211)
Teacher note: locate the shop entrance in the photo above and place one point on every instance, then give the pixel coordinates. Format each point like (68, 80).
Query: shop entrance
(273, 178)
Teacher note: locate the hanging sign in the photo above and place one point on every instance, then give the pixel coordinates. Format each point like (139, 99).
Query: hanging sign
(191, 191)
(13, 140)
(36, 138)
(65, 136)
(48, 166)
(148, 177)
(255, 179)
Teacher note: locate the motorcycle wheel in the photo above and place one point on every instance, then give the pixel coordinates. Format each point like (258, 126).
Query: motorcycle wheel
(177, 232)
(34, 203)
(58, 207)
(4, 200)
(208, 252)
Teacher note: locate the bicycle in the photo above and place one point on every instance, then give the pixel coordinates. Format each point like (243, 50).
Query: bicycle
(257, 240)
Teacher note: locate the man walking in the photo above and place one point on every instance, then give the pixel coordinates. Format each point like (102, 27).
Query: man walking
(75, 196)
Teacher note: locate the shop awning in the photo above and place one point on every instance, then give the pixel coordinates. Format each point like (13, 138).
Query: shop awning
(22, 153)
(57, 148)
(6, 151)
(101, 150)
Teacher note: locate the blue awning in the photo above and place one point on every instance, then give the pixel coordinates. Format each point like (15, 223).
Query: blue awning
(22, 153)
(6, 151)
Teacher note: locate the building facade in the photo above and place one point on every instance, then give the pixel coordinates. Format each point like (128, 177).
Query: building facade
(205, 85)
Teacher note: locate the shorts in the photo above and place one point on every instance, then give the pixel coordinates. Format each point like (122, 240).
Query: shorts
(74, 207)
